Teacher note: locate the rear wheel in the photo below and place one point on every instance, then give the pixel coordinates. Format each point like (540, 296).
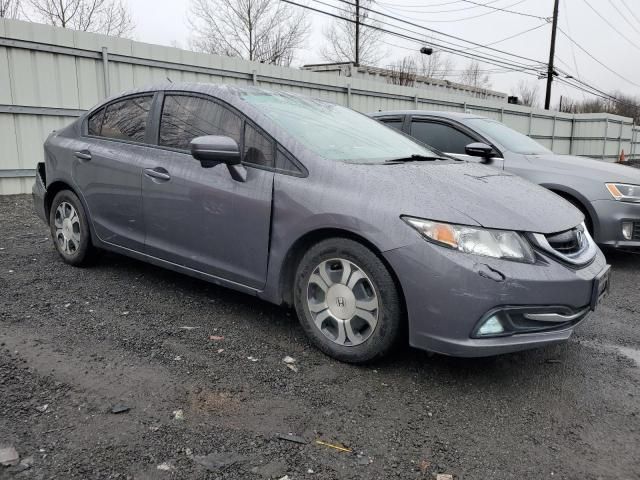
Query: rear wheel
(347, 301)
(70, 229)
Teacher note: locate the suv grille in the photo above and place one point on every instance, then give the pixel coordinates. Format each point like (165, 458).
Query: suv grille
(636, 231)
(569, 242)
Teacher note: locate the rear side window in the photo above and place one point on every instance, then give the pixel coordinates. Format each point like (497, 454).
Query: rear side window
(186, 117)
(95, 122)
(258, 149)
(393, 123)
(126, 119)
(443, 137)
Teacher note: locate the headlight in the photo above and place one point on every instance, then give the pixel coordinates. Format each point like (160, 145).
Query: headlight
(489, 243)
(624, 192)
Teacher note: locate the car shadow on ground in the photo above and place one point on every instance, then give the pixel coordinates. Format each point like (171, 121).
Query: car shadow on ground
(282, 323)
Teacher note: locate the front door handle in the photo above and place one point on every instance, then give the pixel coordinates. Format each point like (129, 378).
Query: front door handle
(157, 173)
(83, 155)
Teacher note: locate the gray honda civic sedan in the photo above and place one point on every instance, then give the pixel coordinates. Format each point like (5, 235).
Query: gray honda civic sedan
(367, 233)
(608, 194)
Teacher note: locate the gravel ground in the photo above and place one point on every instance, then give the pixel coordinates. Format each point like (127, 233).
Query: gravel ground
(81, 341)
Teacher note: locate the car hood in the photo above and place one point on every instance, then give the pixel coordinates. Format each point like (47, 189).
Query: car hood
(464, 193)
(589, 168)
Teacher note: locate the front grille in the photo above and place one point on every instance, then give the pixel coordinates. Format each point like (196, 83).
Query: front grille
(567, 243)
(636, 231)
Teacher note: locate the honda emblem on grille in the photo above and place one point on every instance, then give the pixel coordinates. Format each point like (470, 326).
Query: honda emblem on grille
(580, 238)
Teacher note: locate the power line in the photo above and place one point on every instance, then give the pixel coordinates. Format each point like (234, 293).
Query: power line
(624, 16)
(573, 50)
(608, 97)
(624, 2)
(459, 19)
(520, 65)
(501, 63)
(496, 61)
(421, 7)
(512, 36)
(595, 59)
(612, 26)
(444, 34)
(506, 9)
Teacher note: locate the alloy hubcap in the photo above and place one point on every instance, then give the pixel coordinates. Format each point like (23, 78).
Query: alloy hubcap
(67, 224)
(343, 302)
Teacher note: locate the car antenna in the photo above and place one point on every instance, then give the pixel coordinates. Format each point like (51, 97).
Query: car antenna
(170, 81)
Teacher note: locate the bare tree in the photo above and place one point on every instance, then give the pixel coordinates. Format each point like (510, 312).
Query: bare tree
(267, 31)
(403, 72)
(528, 93)
(618, 103)
(9, 8)
(438, 65)
(109, 17)
(473, 76)
(340, 38)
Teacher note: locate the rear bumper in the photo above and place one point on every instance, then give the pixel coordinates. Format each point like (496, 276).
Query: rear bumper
(39, 192)
(611, 214)
(447, 294)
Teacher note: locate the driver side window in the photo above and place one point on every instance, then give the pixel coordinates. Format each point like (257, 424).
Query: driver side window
(186, 117)
(444, 137)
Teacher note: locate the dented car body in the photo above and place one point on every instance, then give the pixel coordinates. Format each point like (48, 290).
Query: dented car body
(484, 262)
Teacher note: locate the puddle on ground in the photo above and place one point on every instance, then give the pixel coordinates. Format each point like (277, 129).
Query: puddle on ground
(632, 353)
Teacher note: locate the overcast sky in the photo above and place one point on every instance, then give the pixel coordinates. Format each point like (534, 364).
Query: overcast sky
(164, 22)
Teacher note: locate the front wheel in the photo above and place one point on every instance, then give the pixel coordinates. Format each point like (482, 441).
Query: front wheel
(70, 229)
(347, 301)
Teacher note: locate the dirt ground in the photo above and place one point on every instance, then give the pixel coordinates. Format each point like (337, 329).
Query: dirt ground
(75, 343)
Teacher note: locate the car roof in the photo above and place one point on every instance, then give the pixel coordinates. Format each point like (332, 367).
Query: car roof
(433, 113)
(229, 93)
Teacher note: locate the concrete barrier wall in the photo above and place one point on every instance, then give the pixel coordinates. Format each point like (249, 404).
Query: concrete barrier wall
(50, 75)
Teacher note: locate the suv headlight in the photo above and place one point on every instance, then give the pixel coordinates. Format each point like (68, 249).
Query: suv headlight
(479, 241)
(624, 192)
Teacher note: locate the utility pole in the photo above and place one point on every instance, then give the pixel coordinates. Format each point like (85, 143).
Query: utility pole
(552, 52)
(357, 62)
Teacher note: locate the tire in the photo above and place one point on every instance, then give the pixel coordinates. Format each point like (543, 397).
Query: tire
(71, 236)
(587, 218)
(345, 331)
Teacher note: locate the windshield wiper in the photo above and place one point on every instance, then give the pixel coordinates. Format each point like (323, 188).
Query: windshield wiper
(416, 158)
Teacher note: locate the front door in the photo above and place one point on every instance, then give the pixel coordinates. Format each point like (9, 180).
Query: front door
(201, 218)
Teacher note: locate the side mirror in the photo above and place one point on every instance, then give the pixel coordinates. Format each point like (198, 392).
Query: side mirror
(213, 149)
(479, 149)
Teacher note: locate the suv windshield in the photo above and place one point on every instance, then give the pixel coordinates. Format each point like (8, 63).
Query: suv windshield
(513, 141)
(335, 132)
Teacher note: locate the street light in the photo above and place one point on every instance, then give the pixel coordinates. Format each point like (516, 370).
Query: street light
(426, 50)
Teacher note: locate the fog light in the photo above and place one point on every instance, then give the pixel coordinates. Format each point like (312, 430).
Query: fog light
(627, 230)
(491, 327)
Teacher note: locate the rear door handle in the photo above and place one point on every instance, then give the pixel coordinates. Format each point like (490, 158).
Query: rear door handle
(83, 154)
(157, 173)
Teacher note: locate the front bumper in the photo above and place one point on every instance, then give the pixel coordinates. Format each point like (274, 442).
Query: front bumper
(447, 293)
(610, 215)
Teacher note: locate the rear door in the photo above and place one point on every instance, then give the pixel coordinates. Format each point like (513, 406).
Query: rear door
(202, 218)
(107, 169)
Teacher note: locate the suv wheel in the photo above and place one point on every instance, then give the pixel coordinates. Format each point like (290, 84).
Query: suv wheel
(347, 301)
(69, 229)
